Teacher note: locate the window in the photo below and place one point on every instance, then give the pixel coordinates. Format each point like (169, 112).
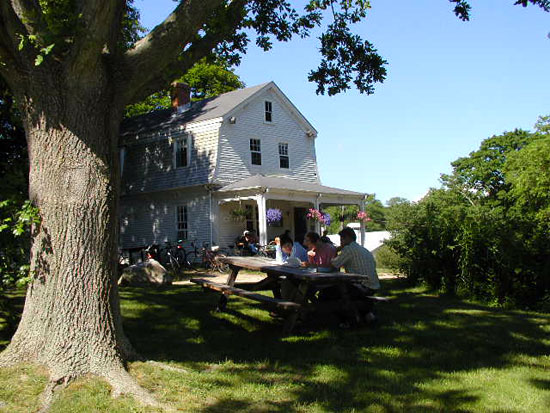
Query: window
(182, 154)
(182, 222)
(268, 111)
(251, 217)
(256, 151)
(283, 156)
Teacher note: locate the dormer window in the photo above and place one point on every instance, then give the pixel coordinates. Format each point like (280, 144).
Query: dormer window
(182, 152)
(268, 111)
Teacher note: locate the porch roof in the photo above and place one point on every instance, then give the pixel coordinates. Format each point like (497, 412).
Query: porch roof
(286, 184)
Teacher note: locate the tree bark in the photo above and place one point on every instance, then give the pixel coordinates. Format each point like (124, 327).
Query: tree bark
(71, 321)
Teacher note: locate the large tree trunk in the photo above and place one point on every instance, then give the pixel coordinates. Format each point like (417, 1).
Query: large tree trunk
(71, 322)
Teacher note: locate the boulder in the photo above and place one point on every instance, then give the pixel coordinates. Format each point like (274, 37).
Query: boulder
(150, 272)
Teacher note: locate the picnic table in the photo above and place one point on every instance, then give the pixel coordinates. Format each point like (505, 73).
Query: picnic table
(292, 308)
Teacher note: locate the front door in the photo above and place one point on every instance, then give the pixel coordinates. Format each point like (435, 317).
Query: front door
(300, 224)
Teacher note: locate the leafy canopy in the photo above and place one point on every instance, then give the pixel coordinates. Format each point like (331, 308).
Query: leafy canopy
(485, 232)
(206, 79)
(57, 29)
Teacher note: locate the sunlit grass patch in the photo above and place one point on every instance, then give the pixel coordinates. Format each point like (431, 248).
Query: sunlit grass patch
(20, 387)
(428, 354)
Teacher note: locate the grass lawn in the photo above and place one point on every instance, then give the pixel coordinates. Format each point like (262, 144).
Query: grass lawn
(429, 354)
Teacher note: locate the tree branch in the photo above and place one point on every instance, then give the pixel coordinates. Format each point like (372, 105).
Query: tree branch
(101, 29)
(178, 67)
(29, 13)
(12, 60)
(154, 54)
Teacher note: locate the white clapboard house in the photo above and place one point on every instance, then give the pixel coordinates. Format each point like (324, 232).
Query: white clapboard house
(208, 170)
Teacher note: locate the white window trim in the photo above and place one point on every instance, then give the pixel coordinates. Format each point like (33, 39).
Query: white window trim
(251, 152)
(175, 150)
(186, 206)
(287, 155)
(269, 122)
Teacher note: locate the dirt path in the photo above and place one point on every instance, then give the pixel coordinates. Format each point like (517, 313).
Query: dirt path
(251, 277)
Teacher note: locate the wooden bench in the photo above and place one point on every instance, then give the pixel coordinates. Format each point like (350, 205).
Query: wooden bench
(275, 303)
(379, 299)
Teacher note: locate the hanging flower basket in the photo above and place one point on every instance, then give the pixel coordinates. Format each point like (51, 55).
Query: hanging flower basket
(274, 217)
(362, 216)
(238, 214)
(316, 215)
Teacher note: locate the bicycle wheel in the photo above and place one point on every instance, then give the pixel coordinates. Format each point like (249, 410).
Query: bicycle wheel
(174, 265)
(164, 257)
(221, 266)
(191, 261)
(216, 264)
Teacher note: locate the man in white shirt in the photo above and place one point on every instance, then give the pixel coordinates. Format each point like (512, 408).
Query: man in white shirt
(357, 260)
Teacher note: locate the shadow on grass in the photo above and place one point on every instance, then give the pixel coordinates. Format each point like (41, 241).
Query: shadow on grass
(421, 338)
(11, 308)
(240, 356)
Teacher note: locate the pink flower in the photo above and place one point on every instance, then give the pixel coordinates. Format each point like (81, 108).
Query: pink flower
(363, 216)
(317, 215)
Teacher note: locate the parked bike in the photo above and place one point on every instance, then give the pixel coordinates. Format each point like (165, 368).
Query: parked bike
(210, 258)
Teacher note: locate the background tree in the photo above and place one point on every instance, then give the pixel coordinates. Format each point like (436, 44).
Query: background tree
(343, 215)
(207, 78)
(13, 191)
(484, 234)
(72, 71)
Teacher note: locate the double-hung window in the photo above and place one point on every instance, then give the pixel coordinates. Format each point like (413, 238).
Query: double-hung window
(283, 156)
(256, 151)
(268, 111)
(182, 152)
(182, 223)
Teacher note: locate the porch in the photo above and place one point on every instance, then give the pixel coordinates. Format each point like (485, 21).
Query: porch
(253, 196)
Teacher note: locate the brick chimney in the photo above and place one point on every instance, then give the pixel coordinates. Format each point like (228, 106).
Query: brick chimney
(181, 97)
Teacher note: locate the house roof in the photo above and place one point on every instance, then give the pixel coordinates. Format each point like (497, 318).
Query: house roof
(289, 184)
(205, 109)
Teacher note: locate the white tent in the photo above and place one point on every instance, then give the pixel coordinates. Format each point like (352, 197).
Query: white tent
(373, 240)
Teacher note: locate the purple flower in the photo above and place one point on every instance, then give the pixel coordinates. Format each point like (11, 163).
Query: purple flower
(274, 215)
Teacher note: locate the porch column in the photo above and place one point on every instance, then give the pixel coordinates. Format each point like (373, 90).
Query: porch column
(317, 206)
(362, 223)
(262, 219)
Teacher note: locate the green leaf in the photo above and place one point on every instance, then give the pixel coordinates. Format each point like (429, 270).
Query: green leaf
(47, 50)
(22, 42)
(39, 59)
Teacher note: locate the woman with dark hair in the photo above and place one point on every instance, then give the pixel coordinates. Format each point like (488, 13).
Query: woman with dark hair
(320, 254)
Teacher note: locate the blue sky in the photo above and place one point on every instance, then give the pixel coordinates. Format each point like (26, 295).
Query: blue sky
(450, 85)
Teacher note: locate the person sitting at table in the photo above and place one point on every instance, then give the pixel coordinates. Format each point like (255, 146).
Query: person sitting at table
(252, 241)
(325, 238)
(247, 242)
(320, 253)
(286, 248)
(357, 260)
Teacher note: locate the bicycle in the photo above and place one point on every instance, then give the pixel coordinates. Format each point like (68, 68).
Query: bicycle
(192, 258)
(267, 251)
(209, 258)
(172, 256)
